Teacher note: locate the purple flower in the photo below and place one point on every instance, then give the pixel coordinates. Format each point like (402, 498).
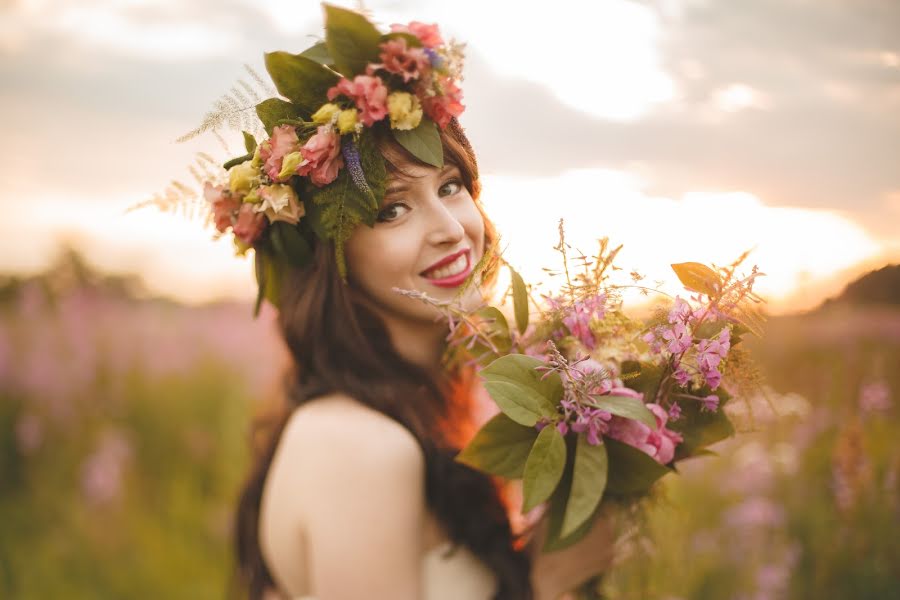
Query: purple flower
(874, 397)
(713, 378)
(682, 377)
(579, 318)
(680, 311)
(674, 412)
(658, 443)
(679, 338)
(710, 403)
(653, 342)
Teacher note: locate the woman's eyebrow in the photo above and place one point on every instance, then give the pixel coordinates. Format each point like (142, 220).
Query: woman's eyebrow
(399, 186)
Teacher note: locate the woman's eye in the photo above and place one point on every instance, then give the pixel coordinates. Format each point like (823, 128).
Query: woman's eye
(390, 212)
(453, 186)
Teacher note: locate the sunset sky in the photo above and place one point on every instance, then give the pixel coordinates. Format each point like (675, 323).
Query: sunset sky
(686, 130)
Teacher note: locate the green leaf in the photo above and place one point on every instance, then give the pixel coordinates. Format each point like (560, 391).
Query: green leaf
(521, 403)
(423, 142)
(624, 406)
(236, 161)
(588, 484)
(299, 79)
(698, 277)
(520, 300)
(334, 212)
(520, 369)
(273, 110)
(500, 447)
(557, 510)
(497, 327)
(268, 277)
(700, 428)
(544, 467)
(351, 40)
(709, 329)
(319, 53)
(630, 470)
(288, 242)
(249, 143)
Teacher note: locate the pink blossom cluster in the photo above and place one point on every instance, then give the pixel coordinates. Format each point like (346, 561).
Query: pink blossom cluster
(677, 339)
(578, 318)
(420, 68)
(596, 422)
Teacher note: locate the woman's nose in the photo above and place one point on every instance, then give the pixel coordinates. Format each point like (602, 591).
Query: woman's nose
(444, 225)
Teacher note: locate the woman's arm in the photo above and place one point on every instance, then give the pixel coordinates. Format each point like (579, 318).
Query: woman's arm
(363, 501)
(555, 573)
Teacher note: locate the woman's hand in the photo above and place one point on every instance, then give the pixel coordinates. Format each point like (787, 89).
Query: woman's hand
(555, 573)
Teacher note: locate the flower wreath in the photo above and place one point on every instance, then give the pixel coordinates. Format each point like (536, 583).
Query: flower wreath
(319, 172)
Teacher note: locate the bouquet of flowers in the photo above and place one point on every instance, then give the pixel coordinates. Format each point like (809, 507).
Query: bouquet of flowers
(596, 405)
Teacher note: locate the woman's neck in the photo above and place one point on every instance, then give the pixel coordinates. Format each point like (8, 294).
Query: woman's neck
(420, 343)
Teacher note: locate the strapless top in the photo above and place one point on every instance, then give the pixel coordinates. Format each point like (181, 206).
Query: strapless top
(450, 573)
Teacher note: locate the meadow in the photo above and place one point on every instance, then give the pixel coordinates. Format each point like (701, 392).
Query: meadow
(123, 440)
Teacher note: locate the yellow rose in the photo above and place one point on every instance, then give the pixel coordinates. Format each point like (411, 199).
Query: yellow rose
(346, 121)
(404, 109)
(243, 177)
(326, 113)
(280, 203)
(289, 164)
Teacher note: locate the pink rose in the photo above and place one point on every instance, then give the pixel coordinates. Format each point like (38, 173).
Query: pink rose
(368, 92)
(223, 204)
(397, 58)
(659, 443)
(284, 140)
(323, 155)
(429, 35)
(250, 224)
(443, 107)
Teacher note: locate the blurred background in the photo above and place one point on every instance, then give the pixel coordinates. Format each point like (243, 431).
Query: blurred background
(686, 130)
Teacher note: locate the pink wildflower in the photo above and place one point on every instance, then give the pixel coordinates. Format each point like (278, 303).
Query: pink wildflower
(579, 318)
(659, 443)
(653, 342)
(680, 311)
(322, 153)
(429, 35)
(713, 378)
(284, 140)
(710, 403)
(224, 205)
(249, 225)
(368, 92)
(674, 412)
(682, 377)
(679, 338)
(396, 58)
(874, 397)
(441, 108)
(594, 421)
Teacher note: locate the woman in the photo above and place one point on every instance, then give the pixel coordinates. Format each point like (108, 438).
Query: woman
(357, 494)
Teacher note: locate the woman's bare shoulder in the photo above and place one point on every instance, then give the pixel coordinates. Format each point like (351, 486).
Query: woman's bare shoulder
(340, 435)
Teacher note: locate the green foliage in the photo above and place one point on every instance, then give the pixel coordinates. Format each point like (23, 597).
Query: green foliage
(518, 389)
(630, 470)
(372, 163)
(628, 407)
(249, 142)
(521, 403)
(423, 142)
(319, 53)
(520, 300)
(588, 484)
(335, 210)
(273, 110)
(352, 41)
(500, 447)
(301, 80)
(289, 244)
(544, 467)
(700, 428)
(268, 269)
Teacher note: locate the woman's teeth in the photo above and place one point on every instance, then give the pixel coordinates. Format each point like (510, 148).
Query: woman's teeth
(454, 268)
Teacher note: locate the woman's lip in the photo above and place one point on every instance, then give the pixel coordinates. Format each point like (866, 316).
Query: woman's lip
(453, 280)
(445, 261)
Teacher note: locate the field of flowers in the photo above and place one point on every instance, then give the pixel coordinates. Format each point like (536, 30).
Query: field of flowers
(123, 439)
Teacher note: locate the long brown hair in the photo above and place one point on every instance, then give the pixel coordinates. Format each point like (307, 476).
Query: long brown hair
(339, 345)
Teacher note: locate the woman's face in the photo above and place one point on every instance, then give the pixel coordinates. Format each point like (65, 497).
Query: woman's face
(428, 236)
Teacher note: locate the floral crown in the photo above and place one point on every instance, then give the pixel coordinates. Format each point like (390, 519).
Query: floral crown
(320, 173)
